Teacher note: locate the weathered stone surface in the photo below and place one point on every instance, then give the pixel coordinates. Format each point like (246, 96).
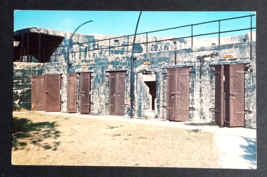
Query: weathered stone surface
(22, 74)
(161, 55)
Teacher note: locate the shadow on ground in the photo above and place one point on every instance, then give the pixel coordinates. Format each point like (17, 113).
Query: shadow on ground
(250, 151)
(199, 124)
(25, 132)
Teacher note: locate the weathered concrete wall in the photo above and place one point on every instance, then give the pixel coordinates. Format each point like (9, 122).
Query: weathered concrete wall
(100, 64)
(100, 68)
(200, 104)
(22, 73)
(250, 92)
(83, 49)
(59, 68)
(143, 97)
(168, 45)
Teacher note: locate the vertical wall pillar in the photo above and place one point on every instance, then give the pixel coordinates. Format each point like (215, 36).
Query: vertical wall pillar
(28, 43)
(44, 55)
(22, 51)
(39, 49)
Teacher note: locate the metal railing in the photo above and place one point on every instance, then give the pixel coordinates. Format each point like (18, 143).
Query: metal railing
(111, 48)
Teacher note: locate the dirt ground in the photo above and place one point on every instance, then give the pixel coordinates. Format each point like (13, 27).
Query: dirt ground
(45, 139)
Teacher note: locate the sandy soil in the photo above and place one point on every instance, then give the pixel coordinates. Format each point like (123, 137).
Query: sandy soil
(45, 139)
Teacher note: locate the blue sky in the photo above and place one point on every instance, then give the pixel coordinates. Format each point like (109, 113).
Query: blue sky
(124, 22)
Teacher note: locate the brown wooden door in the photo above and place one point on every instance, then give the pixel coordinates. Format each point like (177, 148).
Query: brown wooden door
(52, 93)
(37, 93)
(120, 93)
(226, 95)
(236, 95)
(72, 93)
(171, 87)
(219, 95)
(112, 93)
(178, 94)
(182, 94)
(85, 96)
(116, 93)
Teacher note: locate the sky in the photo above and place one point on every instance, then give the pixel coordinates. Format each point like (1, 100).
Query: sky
(124, 22)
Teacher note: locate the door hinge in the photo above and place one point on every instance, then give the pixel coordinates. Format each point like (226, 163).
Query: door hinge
(217, 72)
(183, 109)
(240, 112)
(216, 110)
(233, 93)
(184, 74)
(176, 93)
(240, 71)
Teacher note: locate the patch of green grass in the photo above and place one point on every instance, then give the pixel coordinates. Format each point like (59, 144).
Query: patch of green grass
(34, 142)
(112, 127)
(125, 139)
(22, 143)
(117, 135)
(195, 130)
(212, 123)
(129, 134)
(47, 146)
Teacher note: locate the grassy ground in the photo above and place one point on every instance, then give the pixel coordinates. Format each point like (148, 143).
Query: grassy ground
(42, 139)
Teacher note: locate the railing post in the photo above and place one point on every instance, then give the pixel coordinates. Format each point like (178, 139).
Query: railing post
(127, 43)
(219, 33)
(79, 52)
(191, 36)
(108, 47)
(251, 28)
(146, 42)
(251, 37)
